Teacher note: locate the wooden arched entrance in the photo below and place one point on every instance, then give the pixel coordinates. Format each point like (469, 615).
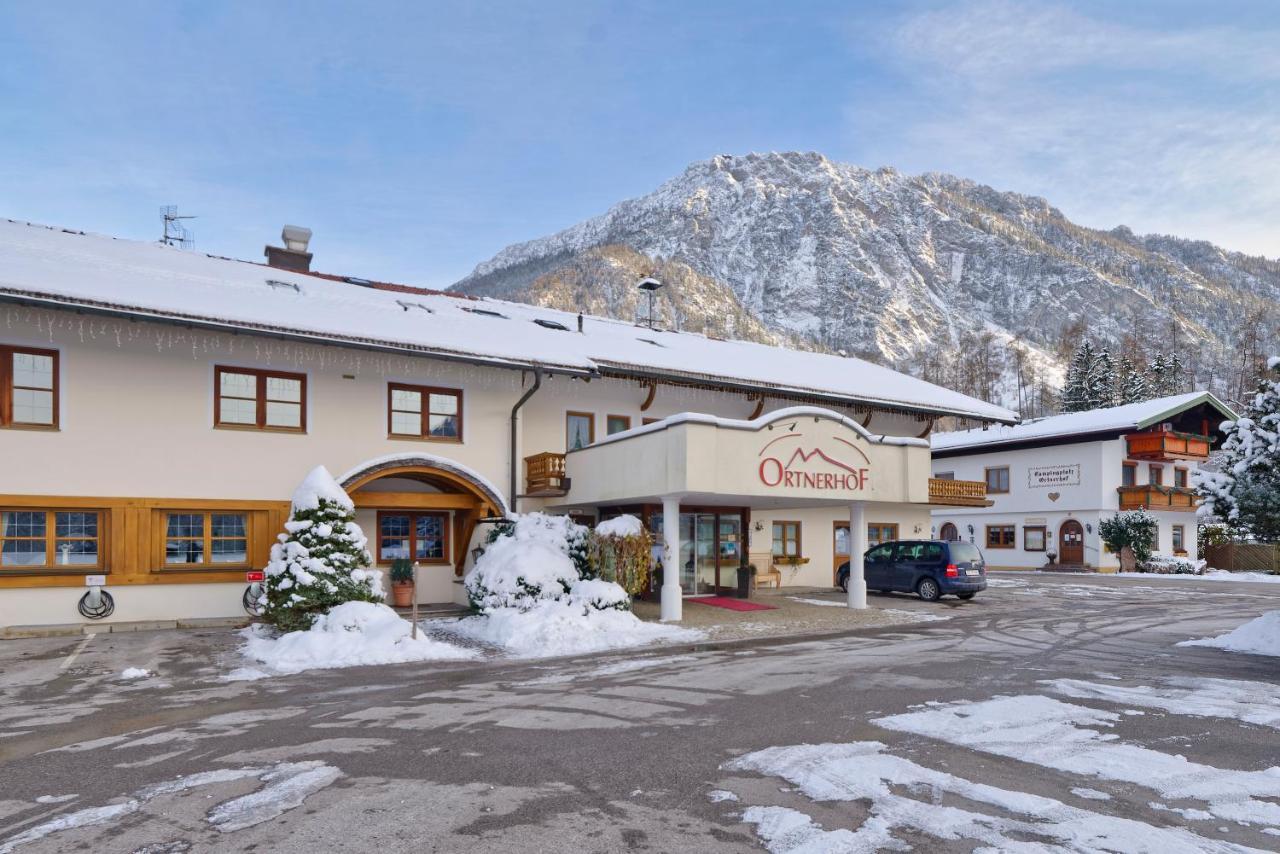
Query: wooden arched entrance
(1071, 542)
(425, 489)
(949, 533)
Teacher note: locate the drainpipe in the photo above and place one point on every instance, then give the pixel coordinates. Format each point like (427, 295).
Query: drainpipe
(515, 423)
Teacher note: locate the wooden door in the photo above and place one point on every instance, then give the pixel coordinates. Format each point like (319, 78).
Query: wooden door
(949, 533)
(1071, 542)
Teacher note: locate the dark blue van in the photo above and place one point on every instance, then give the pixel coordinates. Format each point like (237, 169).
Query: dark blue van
(929, 568)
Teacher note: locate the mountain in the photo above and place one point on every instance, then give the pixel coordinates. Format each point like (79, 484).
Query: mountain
(982, 290)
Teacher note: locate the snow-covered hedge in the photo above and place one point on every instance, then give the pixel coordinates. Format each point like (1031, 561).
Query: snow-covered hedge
(1172, 565)
(534, 558)
(620, 550)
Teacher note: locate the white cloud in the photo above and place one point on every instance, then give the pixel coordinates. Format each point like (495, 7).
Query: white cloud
(1165, 130)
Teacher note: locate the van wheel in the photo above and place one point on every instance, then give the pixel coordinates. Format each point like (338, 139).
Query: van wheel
(965, 595)
(928, 590)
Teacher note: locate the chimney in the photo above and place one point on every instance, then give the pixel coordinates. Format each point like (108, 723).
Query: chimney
(294, 256)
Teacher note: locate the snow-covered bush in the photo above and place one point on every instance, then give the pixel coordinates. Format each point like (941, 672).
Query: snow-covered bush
(321, 561)
(600, 594)
(1133, 528)
(1172, 565)
(619, 550)
(1246, 492)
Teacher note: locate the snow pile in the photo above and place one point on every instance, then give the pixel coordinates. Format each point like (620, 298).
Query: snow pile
(564, 627)
(1260, 636)
(1173, 565)
(620, 526)
(599, 594)
(135, 673)
(351, 634)
(529, 562)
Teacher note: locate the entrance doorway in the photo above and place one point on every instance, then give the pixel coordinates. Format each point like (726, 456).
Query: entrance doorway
(1071, 542)
(949, 533)
(710, 551)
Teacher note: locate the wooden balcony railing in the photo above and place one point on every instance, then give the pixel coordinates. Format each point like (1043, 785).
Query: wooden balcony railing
(1151, 496)
(958, 493)
(544, 475)
(1167, 446)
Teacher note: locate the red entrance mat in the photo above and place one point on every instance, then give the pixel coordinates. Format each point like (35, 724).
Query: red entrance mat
(731, 604)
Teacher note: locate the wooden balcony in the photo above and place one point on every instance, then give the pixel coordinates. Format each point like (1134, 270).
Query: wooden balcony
(958, 493)
(1150, 496)
(1167, 446)
(544, 476)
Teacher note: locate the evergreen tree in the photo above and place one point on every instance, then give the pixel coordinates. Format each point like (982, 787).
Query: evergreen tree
(1176, 377)
(1132, 385)
(1102, 382)
(321, 560)
(1246, 492)
(1076, 392)
(1165, 372)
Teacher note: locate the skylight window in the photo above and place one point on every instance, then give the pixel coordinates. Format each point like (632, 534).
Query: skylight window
(407, 306)
(487, 312)
(364, 283)
(550, 324)
(278, 285)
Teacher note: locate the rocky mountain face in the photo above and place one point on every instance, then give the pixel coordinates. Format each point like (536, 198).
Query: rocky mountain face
(984, 291)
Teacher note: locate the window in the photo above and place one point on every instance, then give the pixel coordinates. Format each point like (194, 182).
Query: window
(265, 400)
(580, 430)
(881, 554)
(422, 537)
(616, 424)
(1129, 475)
(786, 539)
(1034, 538)
(998, 480)
(50, 539)
(423, 412)
(945, 475)
(1180, 477)
(1155, 475)
(919, 552)
(1179, 538)
(878, 532)
(28, 387)
(206, 539)
(1001, 536)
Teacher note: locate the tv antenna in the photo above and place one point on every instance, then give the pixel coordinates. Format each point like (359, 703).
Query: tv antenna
(175, 233)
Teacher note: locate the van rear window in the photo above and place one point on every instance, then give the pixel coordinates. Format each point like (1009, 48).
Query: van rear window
(964, 552)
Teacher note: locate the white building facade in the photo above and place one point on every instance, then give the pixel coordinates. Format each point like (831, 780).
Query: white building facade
(158, 407)
(1050, 482)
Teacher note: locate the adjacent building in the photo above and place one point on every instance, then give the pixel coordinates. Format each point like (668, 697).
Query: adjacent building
(158, 407)
(1050, 481)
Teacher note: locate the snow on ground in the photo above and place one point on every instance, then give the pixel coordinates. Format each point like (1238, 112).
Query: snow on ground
(718, 796)
(1090, 794)
(351, 634)
(1071, 738)
(1251, 702)
(135, 673)
(288, 784)
(832, 602)
(915, 616)
(1260, 636)
(1209, 575)
(552, 628)
(863, 771)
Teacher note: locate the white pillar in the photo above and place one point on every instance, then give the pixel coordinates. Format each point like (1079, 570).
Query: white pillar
(672, 603)
(857, 595)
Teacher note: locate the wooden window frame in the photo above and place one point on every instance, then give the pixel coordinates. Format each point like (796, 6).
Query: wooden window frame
(424, 422)
(1155, 474)
(785, 539)
(608, 418)
(1181, 473)
(1011, 530)
(1176, 533)
(7, 386)
(446, 551)
(207, 538)
(260, 399)
(883, 526)
(1129, 472)
(1044, 538)
(986, 476)
(591, 427)
(50, 538)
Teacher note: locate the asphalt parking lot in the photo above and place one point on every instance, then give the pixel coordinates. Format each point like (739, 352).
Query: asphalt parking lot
(1050, 711)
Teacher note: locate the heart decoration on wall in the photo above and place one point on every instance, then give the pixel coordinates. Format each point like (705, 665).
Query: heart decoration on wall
(1054, 496)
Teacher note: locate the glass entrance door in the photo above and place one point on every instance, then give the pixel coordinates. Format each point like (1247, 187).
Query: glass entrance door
(710, 551)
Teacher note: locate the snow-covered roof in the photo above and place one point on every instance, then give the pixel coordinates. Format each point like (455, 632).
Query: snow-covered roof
(1112, 419)
(60, 267)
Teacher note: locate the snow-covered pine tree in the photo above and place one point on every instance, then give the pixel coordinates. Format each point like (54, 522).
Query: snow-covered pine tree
(321, 561)
(1175, 381)
(1076, 391)
(1160, 376)
(1246, 492)
(1102, 382)
(1132, 385)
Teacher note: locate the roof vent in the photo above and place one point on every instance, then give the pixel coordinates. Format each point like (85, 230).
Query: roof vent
(487, 312)
(550, 324)
(294, 256)
(651, 341)
(284, 286)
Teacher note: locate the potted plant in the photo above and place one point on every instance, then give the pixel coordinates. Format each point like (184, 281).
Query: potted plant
(1052, 556)
(746, 577)
(402, 582)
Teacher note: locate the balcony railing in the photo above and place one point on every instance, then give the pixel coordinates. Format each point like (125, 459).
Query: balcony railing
(1167, 446)
(958, 493)
(1152, 496)
(544, 475)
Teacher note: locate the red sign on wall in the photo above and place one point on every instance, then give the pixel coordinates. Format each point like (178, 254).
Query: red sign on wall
(254, 575)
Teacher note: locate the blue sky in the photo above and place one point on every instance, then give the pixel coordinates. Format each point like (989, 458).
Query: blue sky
(418, 139)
